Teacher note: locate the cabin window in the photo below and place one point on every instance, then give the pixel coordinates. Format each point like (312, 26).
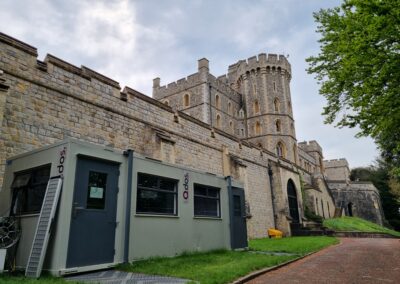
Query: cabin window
(156, 195)
(206, 201)
(29, 188)
(96, 197)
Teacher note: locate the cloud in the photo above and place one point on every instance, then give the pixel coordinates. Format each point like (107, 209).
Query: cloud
(136, 41)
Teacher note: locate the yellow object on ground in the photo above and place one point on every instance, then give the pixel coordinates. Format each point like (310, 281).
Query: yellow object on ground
(274, 233)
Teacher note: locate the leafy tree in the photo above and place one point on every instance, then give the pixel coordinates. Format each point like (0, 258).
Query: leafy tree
(359, 70)
(387, 187)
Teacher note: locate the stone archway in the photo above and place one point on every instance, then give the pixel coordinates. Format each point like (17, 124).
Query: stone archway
(293, 204)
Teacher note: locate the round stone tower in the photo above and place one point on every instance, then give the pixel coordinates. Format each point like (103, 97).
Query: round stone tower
(265, 85)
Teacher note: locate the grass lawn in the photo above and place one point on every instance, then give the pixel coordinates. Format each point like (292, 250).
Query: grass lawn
(298, 245)
(20, 278)
(225, 266)
(213, 267)
(357, 224)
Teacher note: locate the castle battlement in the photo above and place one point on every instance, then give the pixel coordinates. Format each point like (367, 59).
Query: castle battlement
(271, 61)
(336, 163)
(310, 146)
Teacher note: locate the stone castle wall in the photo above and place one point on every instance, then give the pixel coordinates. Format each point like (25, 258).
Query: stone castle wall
(49, 101)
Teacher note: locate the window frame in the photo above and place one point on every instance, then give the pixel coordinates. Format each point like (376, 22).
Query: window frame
(140, 188)
(28, 186)
(207, 197)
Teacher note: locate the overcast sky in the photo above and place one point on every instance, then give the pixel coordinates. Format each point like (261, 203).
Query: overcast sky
(135, 41)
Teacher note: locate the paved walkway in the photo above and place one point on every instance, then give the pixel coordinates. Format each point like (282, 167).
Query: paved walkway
(121, 277)
(353, 261)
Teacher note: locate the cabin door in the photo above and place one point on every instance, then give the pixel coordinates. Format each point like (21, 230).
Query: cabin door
(93, 217)
(239, 229)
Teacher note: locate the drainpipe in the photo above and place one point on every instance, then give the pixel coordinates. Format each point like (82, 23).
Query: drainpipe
(230, 203)
(129, 154)
(270, 173)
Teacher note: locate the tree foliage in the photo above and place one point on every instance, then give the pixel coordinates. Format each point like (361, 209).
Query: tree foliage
(358, 68)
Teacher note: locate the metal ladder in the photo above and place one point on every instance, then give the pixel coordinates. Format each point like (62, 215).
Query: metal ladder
(41, 239)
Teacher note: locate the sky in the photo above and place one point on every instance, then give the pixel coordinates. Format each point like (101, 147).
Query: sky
(134, 41)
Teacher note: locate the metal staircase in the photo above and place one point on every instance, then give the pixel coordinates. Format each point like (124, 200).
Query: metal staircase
(41, 239)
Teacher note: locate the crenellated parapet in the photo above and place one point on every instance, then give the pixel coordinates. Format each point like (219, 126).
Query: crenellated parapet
(310, 146)
(263, 63)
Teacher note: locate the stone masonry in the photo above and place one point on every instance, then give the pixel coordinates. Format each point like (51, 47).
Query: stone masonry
(187, 123)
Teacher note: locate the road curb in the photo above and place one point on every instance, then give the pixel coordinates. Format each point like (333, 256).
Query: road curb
(254, 274)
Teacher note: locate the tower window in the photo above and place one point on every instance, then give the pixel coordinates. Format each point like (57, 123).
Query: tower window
(217, 102)
(231, 125)
(276, 104)
(218, 120)
(256, 106)
(257, 128)
(254, 89)
(280, 150)
(230, 108)
(186, 100)
(278, 125)
(274, 85)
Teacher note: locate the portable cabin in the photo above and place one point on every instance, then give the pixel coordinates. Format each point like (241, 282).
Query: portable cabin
(116, 207)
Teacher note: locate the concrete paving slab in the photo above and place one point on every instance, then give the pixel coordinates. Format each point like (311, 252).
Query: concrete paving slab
(122, 277)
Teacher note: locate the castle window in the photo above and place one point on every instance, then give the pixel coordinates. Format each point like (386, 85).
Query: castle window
(257, 128)
(231, 125)
(186, 100)
(278, 125)
(280, 150)
(241, 113)
(230, 108)
(276, 104)
(256, 106)
(218, 120)
(254, 89)
(242, 132)
(217, 102)
(274, 85)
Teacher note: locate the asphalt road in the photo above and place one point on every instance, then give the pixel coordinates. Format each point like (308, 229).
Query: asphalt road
(355, 260)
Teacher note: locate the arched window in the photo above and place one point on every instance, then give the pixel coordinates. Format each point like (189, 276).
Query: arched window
(186, 100)
(218, 120)
(217, 102)
(231, 125)
(256, 106)
(257, 128)
(278, 125)
(254, 89)
(274, 84)
(230, 108)
(280, 150)
(276, 104)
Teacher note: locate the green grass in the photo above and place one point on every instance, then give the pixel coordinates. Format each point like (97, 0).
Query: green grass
(209, 268)
(298, 245)
(20, 278)
(356, 224)
(225, 266)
